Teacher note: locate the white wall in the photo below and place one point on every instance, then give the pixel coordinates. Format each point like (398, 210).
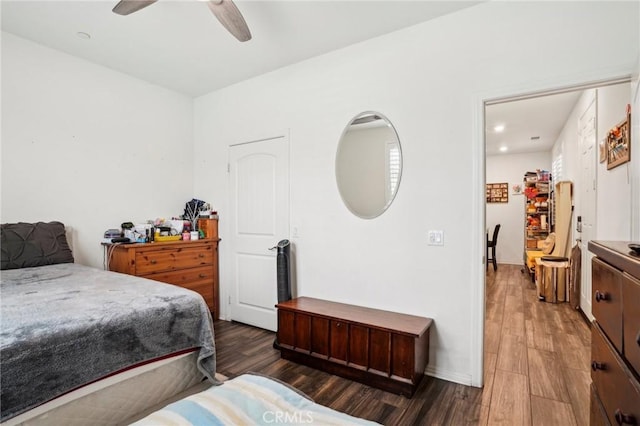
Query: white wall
(613, 208)
(427, 80)
(613, 204)
(511, 168)
(635, 159)
(89, 146)
(567, 146)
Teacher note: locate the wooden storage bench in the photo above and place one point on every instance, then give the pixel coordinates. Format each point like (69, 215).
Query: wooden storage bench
(379, 348)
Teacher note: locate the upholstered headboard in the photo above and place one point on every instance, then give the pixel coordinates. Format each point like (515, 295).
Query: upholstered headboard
(25, 245)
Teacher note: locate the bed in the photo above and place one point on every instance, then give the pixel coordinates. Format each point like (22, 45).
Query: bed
(249, 399)
(72, 335)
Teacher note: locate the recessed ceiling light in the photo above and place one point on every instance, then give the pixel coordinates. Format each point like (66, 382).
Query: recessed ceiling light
(503, 149)
(83, 35)
(499, 128)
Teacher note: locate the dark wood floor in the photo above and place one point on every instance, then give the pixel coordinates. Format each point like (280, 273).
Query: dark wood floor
(536, 368)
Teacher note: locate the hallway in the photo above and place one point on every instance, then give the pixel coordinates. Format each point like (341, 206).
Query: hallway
(536, 355)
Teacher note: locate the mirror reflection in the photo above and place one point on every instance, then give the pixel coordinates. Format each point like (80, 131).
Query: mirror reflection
(368, 164)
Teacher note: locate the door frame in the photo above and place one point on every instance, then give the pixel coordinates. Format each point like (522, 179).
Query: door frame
(584, 205)
(478, 152)
(226, 289)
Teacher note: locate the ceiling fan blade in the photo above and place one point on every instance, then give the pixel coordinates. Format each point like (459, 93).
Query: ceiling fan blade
(125, 7)
(230, 18)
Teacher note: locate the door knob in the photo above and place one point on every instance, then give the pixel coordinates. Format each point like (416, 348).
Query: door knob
(600, 296)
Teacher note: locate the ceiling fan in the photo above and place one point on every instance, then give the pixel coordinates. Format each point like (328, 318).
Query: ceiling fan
(225, 10)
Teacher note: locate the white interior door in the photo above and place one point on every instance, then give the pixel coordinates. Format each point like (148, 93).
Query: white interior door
(259, 180)
(587, 205)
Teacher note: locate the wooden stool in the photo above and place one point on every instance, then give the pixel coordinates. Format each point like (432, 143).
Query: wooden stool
(552, 279)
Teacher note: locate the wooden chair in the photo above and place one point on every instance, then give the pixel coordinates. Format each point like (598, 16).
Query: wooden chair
(491, 244)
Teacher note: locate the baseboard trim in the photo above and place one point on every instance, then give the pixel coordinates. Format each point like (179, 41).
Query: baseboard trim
(450, 376)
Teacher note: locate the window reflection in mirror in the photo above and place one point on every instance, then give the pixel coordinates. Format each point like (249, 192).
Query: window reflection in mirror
(368, 164)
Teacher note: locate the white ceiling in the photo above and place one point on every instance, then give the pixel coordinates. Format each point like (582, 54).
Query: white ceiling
(181, 46)
(542, 117)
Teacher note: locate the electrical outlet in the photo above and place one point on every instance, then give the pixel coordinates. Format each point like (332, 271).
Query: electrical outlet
(436, 238)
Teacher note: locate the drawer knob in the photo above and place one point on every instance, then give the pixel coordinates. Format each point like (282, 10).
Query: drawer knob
(601, 296)
(624, 419)
(200, 254)
(203, 275)
(595, 365)
(153, 261)
(638, 338)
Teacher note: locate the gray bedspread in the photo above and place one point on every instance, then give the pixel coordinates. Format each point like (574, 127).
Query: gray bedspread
(63, 326)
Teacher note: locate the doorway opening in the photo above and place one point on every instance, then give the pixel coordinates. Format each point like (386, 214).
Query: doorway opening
(539, 133)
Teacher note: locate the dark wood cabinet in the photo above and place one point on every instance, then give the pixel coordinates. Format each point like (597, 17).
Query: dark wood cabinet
(379, 348)
(615, 335)
(631, 320)
(606, 300)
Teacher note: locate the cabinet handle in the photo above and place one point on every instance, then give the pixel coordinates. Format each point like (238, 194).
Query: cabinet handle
(624, 419)
(203, 275)
(601, 296)
(153, 261)
(595, 365)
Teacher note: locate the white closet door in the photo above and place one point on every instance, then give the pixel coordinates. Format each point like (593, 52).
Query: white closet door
(259, 180)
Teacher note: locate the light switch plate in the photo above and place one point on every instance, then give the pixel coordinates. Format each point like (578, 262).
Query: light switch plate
(436, 238)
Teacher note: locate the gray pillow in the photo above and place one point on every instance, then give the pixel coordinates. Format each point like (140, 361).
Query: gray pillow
(24, 245)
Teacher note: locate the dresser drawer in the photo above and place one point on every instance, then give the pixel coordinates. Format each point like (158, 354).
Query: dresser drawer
(631, 320)
(597, 415)
(606, 302)
(169, 259)
(617, 388)
(197, 279)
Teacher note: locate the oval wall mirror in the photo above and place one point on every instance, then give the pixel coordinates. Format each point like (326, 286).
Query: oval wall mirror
(368, 164)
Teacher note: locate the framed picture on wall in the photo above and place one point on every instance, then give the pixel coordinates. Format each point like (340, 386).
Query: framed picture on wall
(516, 189)
(497, 192)
(618, 142)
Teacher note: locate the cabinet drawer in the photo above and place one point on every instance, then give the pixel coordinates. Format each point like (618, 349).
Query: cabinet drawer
(171, 258)
(631, 320)
(197, 279)
(184, 277)
(597, 415)
(606, 302)
(617, 388)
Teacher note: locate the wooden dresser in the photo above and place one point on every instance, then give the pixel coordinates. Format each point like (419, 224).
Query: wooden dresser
(615, 335)
(378, 348)
(188, 264)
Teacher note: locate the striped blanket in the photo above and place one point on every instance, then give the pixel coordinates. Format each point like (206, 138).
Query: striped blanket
(249, 400)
